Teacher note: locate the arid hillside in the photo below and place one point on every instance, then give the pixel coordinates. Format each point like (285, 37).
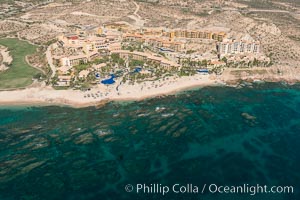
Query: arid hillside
(275, 23)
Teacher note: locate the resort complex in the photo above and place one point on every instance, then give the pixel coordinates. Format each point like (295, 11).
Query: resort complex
(150, 99)
(123, 49)
(96, 52)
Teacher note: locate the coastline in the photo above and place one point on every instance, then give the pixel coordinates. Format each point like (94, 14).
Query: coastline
(47, 96)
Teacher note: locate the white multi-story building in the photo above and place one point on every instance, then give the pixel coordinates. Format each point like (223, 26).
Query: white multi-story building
(245, 44)
(78, 59)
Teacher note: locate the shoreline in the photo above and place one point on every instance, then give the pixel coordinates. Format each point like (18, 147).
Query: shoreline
(100, 95)
(102, 102)
(47, 96)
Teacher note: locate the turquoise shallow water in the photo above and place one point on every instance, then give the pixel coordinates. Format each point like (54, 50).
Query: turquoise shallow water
(218, 135)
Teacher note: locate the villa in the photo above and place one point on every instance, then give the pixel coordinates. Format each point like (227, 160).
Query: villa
(64, 80)
(83, 74)
(64, 70)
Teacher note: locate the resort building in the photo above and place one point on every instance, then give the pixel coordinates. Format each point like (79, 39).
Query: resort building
(112, 36)
(152, 31)
(78, 59)
(64, 70)
(89, 42)
(114, 46)
(99, 66)
(96, 43)
(147, 57)
(64, 80)
(74, 60)
(231, 46)
(164, 43)
(134, 38)
(195, 34)
(83, 74)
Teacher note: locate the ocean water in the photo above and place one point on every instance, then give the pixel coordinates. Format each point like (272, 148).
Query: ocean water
(214, 135)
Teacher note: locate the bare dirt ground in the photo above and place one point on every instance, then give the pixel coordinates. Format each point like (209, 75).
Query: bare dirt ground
(41, 33)
(270, 74)
(8, 26)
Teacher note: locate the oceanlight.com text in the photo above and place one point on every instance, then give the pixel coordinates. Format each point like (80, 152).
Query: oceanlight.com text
(207, 188)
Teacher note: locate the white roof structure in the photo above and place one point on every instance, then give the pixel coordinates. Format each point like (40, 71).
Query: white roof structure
(64, 68)
(84, 73)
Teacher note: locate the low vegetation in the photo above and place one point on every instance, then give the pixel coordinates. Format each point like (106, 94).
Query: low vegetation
(20, 73)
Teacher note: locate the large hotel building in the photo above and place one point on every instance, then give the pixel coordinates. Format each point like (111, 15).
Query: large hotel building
(196, 34)
(231, 46)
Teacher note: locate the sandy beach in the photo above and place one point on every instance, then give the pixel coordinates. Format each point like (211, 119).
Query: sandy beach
(100, 94)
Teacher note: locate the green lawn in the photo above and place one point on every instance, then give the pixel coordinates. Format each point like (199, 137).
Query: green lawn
(19, 73)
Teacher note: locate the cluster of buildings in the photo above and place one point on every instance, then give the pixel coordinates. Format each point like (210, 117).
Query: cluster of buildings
(78, 59)
(89, 43)
(146, 57)
(109, 38)
(156, 41)
(196, 34)
(238, 45)
(173, 40)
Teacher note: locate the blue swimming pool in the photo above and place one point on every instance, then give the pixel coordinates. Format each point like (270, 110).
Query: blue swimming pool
(109, 81)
